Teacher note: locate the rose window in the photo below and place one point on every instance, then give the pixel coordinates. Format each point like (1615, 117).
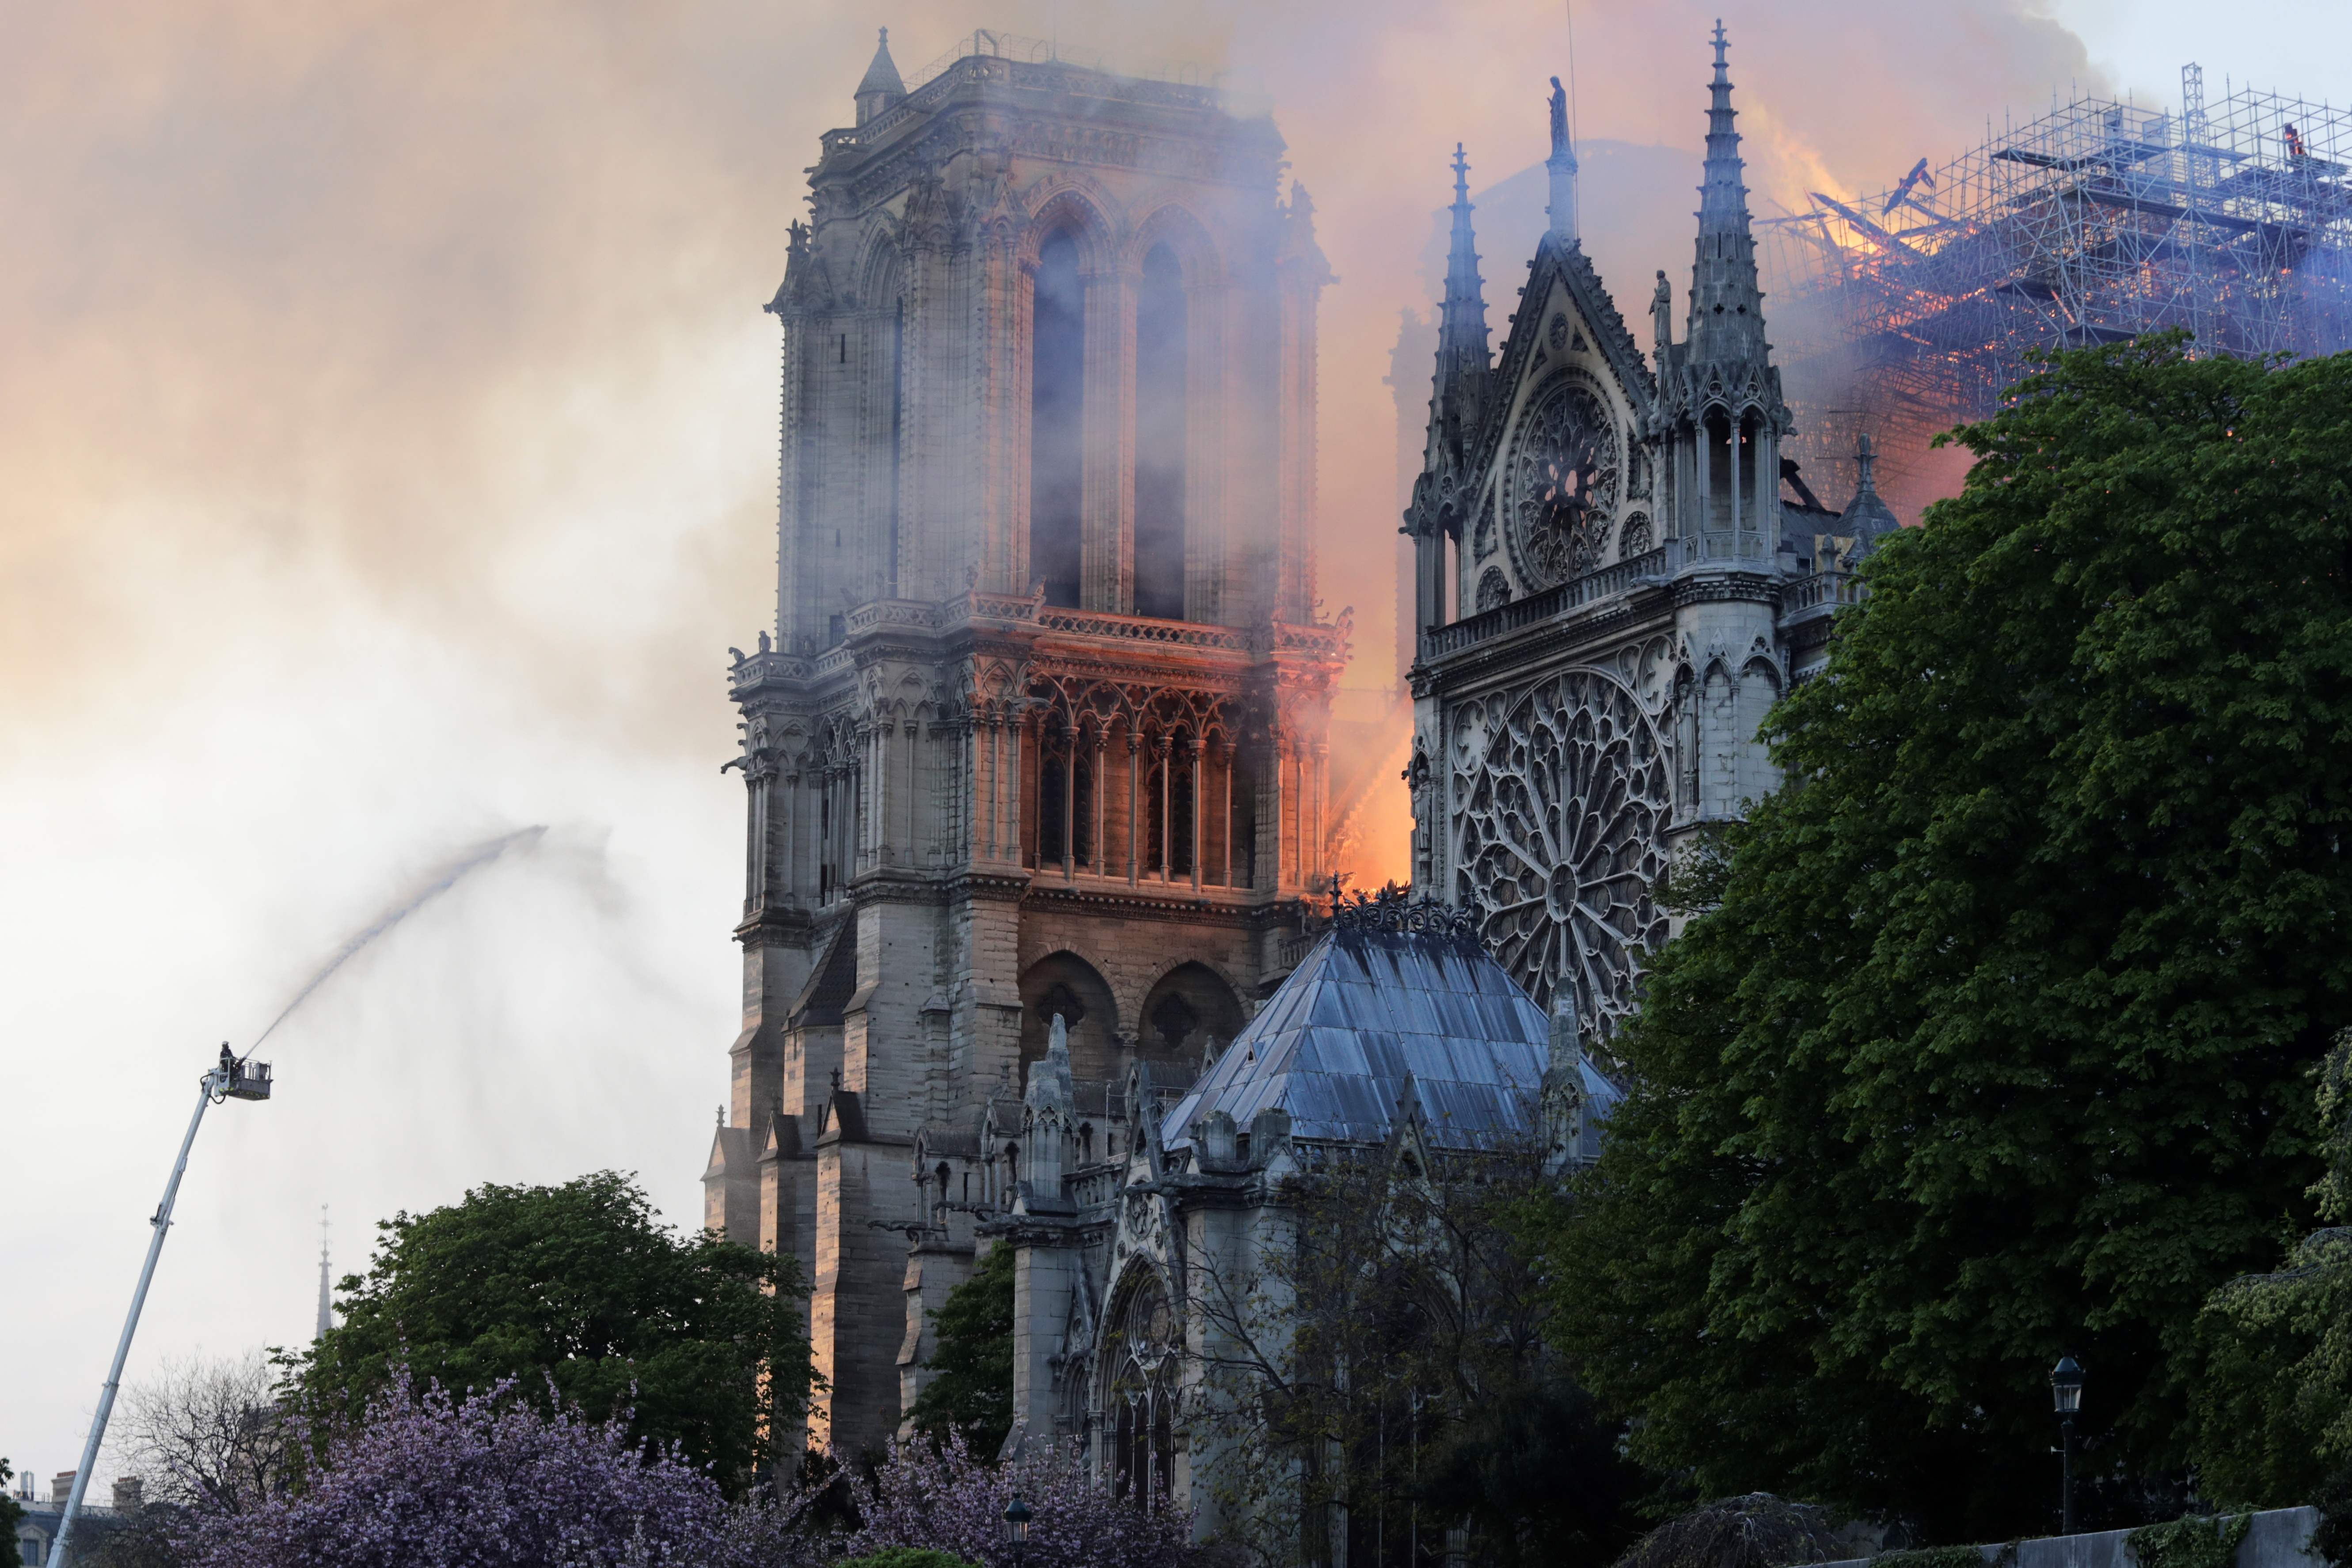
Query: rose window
(1566, 797)
(1564, 474)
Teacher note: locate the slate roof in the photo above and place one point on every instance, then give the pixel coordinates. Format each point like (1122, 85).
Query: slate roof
(882, 73)
(1335, 1044)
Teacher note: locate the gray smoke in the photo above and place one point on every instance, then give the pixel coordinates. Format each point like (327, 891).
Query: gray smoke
(434, 884)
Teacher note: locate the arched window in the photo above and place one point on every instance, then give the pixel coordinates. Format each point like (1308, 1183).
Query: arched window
(1169, 806)
(1722, 468)
(1058, 374)
(1160, 436)
(1140, 1387)
(1066, 798)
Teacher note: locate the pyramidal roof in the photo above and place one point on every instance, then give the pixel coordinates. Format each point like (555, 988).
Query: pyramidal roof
(1366, 1014)
(1867, 516)
(882, 75)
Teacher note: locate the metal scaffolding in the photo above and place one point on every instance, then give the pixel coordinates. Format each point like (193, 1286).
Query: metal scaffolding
(1907, 311)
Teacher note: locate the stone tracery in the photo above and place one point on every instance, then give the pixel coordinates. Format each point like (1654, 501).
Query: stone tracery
(1564, 792)
(1564, 477)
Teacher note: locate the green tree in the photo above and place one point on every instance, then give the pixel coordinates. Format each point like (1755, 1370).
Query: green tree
(1993, 1043)
(2273, 1393)
(11, 1510)
(578, 1294)
(971, 1391)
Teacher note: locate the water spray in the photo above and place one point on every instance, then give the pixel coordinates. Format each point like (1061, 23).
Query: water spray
(436, 883)
(242, 1077)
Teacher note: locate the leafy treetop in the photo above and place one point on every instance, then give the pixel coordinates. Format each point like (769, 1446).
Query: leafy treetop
(580, 1296)
(972, 1389)
(1992, 1045)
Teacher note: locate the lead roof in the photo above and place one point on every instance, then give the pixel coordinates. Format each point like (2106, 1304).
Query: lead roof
(1365, 1010)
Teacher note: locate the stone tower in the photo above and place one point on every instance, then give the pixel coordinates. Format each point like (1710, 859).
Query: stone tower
(1041, 732)
(1610, 590)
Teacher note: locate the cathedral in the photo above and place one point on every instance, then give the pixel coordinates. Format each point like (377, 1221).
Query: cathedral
(1039, 944)
(1609, 588)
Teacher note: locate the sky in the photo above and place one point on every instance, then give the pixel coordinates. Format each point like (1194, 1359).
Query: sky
(387, 462)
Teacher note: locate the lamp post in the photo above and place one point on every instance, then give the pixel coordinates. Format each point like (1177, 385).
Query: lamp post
(2066, 1395)
(1016, 1527)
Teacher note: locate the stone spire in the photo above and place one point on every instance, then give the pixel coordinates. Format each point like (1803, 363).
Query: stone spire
(1563, 1083)
(326, 1297)
(1727, 308)
(1561, 166)
(1867, 517)
(1051, 1087)
(881, 87)
(1052, 1100)
(1464, 360)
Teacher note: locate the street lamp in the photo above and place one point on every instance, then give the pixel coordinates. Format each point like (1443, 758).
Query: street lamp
(2066, 1395)
(1016, 1527)
(236, 1078)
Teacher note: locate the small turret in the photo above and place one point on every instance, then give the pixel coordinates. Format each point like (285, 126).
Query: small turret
(881, 87)
(1866, 518)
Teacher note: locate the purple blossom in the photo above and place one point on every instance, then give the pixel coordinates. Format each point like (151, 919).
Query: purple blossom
(947, 1499)
(489, 1483)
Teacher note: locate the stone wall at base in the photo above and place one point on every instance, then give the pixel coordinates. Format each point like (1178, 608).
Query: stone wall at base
(2278, 1538)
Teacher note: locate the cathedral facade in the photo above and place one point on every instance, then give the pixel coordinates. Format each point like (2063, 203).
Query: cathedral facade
(1041, 733)
(1610, 585)
(1611, 589)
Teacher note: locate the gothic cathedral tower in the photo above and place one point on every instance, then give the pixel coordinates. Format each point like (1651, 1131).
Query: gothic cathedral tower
(1611, 589)
(1042, 730)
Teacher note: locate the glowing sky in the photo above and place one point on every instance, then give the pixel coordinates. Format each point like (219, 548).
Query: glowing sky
(387, 460)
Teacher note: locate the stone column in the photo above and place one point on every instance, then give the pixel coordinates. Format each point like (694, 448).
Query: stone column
(874, 773)
(1101, 856)
(790, 882)
(914, 789)
(755, 841)
(1319, 763)
(1227, 751)
(1199, 809)
(985, 792)
(1070, 810)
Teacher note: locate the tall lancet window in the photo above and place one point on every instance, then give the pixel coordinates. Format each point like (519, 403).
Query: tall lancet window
(1057, 372)
(1160, 377)
(898, 437)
